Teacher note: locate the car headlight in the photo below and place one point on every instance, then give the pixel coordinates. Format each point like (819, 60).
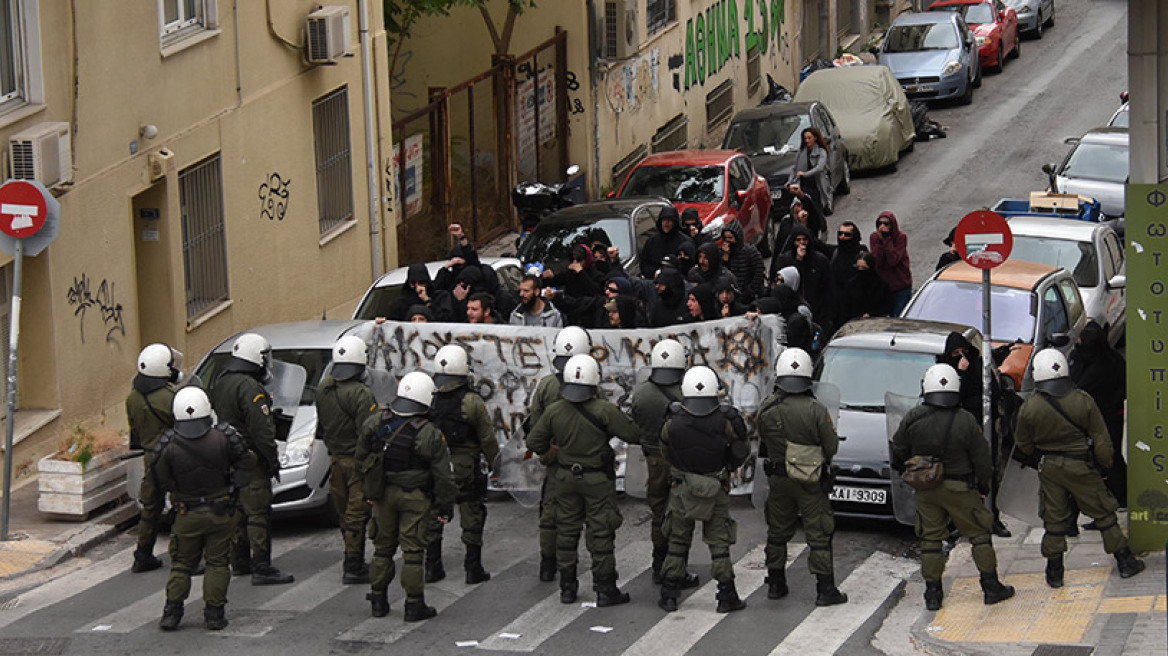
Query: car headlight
(951, 67)
(296, 452)
(714, 227)
(982, 40)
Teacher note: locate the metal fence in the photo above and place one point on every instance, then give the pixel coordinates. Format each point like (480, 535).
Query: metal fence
(203, 238)
(334, 164)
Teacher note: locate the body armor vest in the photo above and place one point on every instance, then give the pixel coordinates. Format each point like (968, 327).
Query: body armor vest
(697, 444)
(399, 452)
(446, 413)
(201, 467)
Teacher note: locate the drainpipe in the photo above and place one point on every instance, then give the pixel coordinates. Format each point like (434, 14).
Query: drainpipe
(593, 73)
(371, 156)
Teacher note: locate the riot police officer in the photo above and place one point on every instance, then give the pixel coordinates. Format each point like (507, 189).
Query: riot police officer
(239, 398)
(799, 443)
(650, 407)
(576, 430)
(406, 469)
(570, 341)
(941, 429)
(704, 441)
(1062, 425)
(201, 465)
(462, 417)
(148, 410)
(344, 404)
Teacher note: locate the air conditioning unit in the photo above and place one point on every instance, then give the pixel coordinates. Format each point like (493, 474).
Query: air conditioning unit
(622, 39)
(329, 34)
(43, 153)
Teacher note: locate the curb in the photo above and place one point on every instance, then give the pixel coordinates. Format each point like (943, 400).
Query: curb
(88, 536)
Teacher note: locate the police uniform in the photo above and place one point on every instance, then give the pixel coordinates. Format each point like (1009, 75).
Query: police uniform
(547, 392)
(148, 410)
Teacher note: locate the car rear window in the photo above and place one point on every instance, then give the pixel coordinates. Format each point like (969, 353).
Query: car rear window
(960, 302)
(863, 375)
(1095, 161)
(680, 184)
(912, 38)
(1078, 257)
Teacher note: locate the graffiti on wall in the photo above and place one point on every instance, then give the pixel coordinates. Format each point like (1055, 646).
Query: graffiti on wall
(724, 31)
(81, 298)
(274, 197)
(634, 82)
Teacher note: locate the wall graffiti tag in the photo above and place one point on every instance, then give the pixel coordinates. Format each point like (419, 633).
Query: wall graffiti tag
(81, 298)
(274, 197)
(722, 32)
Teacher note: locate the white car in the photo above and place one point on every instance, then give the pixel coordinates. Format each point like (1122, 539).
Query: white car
(1096, 166)
(388, 288)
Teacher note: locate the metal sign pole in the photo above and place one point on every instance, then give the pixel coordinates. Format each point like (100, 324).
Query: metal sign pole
(10, 418)
(987, 365)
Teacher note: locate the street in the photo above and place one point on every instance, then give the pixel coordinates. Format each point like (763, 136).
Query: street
(1061, 86)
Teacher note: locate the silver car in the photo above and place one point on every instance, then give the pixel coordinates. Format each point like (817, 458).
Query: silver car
(1033, 15)
(380, 296)
(1092, 252)
(933, 55)
(1096, 166)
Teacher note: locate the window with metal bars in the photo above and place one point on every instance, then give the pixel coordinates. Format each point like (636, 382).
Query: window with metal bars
(674, 135)
(334, 165)
(204, 241)
(719, 104)
(622, 168)
(658, 14)
(753, 71)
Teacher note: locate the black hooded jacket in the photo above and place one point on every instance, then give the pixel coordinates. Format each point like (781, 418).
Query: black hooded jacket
(971, 382)
(705, 297)
(815, 275)
(669, 308)
(439, 301)
(746, 264)
(865, 293)
(1100, 370)
(717, 275)
(662, 244)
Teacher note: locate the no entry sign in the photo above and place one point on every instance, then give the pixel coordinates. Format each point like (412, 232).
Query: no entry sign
(23, 209)
(983, 239)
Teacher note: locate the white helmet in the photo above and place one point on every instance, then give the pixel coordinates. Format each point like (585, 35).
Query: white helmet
(569, 342)
(451, 367)
(192, 412)
(581, 378)
(158, 361)
(252, 349)
(668, 361)
(1051, 372)
(793, 371)
(415, 393)
(349, 357)
(699, 391)
(942, 386)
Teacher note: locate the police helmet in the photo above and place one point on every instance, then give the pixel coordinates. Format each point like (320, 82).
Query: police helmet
(159, 361)
(415, 393)
(1051, 373)
(349, 355)
(451, 367)
(250, 353)
(699, 391)
(581, 378)
(569, 342)
(942, 386)
(192, 412)
(793, 371)
(668, 362)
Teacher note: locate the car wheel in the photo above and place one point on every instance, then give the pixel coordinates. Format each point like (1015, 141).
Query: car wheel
(977, 78)
(1017, 45)
(1050, 19)
(1001, 62)
(845, 186)
(1041, 22)
(967, 97)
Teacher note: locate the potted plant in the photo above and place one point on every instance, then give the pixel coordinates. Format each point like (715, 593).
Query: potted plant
(86, 472)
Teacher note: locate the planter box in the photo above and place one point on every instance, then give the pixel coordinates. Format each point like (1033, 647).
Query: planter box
(70, 491)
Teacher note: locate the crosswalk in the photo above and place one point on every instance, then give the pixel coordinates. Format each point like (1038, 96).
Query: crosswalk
(520, 615)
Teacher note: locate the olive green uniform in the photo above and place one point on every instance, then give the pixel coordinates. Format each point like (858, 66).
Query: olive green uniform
(954, 435)
(403, 507)
(1065, 473)
(547, 392)
(785, 419)
(649, 408)
(464, 457)
(342, 407)
(240, 400)
(584, 479)
(149, 416)
(205, 519)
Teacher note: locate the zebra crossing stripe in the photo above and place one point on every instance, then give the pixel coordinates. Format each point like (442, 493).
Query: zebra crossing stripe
(826, 629)
(696, 617)
(67, 586)
(314, 591)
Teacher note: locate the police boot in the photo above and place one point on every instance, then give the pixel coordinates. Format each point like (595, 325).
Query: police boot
(669, 595)
(355, 570)
(776, 581)
(1128, 564)
(659, 554)
(144, 561)
(547, 569)
(172, 614)
(380, 603)
(827, 593)
(1054, 572)
(607, 594)
(263, 573)
(214, 619)
(688, 581)
(474, 565)
(728, 600)
(241, 560)
(434, 570)
(416, 611)
(934, 593)
(994, 590)
(568, 586)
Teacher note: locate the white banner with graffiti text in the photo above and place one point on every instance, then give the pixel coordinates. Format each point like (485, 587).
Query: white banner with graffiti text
(507, 362)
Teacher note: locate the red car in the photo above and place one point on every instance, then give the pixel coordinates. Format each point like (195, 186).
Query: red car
(995, 26)
(720, 184)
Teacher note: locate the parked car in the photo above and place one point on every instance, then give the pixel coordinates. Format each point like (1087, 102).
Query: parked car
(720, 184)
(1096, 166)
(771, 135)
(308, 344)
(933, 55)
(1092, 252)
(384, 291)
(628, 222)
(994, 25)
(1034, 306)
(870, 108)
(1033, 15)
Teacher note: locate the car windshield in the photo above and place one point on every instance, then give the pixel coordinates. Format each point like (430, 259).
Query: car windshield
(1122, 118)
(767, 135)
(1095, 161)
(975, 14)
(553, 241)
(681, 183)
(313, 360)
(960, 302)
(863, 375)
(931, 36)
(1078, 257)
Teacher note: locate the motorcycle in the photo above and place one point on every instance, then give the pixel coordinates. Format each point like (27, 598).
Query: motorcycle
(535, 200)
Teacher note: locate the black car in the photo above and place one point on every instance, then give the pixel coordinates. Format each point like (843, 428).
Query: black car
(628, 223)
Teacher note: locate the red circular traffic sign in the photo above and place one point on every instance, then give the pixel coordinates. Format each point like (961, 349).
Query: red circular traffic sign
(983, 239)
(23, 209)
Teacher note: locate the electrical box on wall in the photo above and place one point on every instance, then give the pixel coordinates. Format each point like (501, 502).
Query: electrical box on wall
(43, 153)
(621, 37)
(329, 33)
(161, 162)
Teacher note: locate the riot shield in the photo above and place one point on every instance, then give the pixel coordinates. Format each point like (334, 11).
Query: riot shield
(760, 487)
(1018, 492)
(382, 384)
(286, 387)
(519, 472)
(829, 395)
(636, 472)
(904, 500)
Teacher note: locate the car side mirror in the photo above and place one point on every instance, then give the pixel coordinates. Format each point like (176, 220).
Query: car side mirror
(1059, 340)
(1118, 281)
(1048, 169)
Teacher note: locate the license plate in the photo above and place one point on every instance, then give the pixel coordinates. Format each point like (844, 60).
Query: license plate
(912, 88)
(859, 494)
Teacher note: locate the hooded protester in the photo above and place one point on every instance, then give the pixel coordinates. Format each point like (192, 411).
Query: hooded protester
(815, 275)
(966, 360)
(799, 331)
(842, 258)
(664, 242)
(622, 312)
(890, 246)
(1100, 370)
(691, 226)
(685, 257)
(744, 261)
(865, 294)
(708, 268)
(701, 304)
(419, 314)
(727, 303)
(420, 290)
(669, 309)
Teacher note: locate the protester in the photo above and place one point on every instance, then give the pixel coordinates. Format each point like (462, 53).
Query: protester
(1100, 370)
(743, 260)
(865, 294)
(533, 310)
(950, 256)
(890, 246)
(664, 242)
